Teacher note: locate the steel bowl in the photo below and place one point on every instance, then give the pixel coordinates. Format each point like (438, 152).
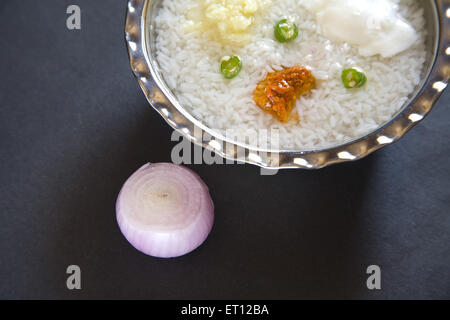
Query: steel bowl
(140, 38)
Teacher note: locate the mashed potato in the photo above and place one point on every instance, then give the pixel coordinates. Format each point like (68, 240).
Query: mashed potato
(231, 18)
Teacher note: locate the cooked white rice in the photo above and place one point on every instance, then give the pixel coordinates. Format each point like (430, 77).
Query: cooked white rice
(329, 116)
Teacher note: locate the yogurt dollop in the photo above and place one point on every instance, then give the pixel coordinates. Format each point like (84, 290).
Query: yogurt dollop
(373, 26)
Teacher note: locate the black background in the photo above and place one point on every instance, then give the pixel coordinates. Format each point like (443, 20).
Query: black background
(75, 124)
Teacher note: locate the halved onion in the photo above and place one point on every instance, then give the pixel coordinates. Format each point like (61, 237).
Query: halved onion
(165, 210)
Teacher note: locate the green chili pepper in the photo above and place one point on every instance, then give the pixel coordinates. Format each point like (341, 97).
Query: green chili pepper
(353, 78)
(286, 31)
(231, 66)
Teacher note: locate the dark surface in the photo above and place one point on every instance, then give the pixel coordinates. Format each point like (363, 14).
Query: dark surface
(74, 125)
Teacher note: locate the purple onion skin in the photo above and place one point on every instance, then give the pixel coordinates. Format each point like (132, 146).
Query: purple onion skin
(173, 243)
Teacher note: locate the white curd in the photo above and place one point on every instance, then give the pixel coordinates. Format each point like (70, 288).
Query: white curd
(373, 26)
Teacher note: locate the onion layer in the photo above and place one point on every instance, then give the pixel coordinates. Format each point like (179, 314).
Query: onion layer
(165, 210)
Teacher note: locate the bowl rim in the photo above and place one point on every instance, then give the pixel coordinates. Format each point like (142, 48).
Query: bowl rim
(162, 100)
